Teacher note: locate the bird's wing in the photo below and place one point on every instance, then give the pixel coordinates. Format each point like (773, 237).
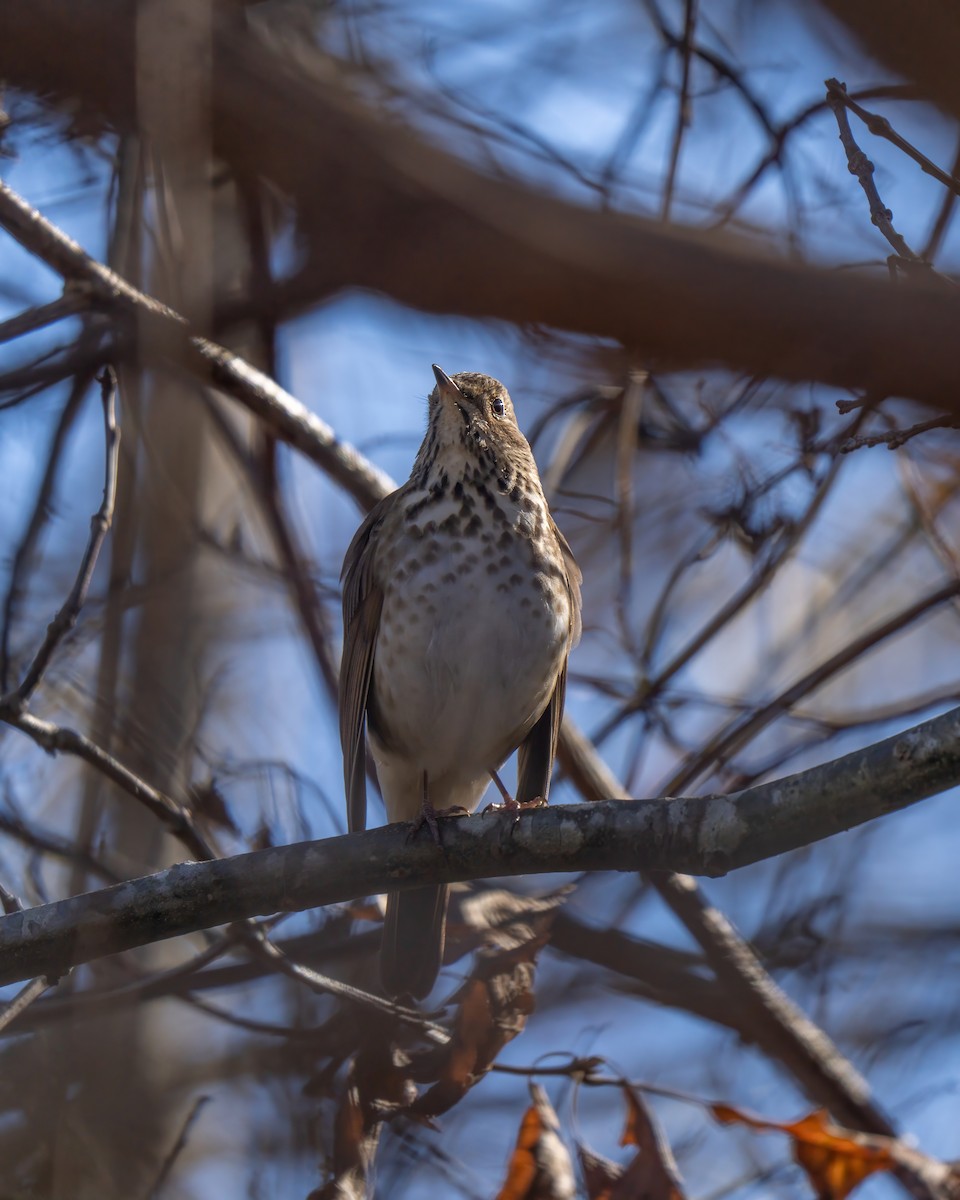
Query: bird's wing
(539, 748)
(362, 602)
(574, 579)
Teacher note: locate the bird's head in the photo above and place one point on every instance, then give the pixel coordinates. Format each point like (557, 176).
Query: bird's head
(471, 417)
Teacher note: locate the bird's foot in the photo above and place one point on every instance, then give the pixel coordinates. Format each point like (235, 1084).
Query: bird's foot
(431, 818)
(516, 807)
(510, 804)
(428, 817)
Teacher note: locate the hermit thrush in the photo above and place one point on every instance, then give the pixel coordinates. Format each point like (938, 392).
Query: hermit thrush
(461, 603)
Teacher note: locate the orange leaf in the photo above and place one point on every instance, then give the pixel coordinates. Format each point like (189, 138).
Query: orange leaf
(523, 1166)
(599, 1175)
(835, 1159)
(653, 1171)
(493, 1006)
(540, 1164)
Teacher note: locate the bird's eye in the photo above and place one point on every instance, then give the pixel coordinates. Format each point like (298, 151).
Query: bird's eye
(497, 407)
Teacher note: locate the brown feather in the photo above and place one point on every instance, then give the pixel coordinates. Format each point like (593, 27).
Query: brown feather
(538, 750)
(574, 579)
(362, 602)
(414, 931)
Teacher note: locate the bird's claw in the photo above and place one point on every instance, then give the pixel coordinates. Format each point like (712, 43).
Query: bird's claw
(430, 818)
(516, 807)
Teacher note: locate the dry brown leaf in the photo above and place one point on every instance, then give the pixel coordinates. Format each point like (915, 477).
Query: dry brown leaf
(540, 1167)
(835, 1159)
(498, 918)
(522, 1168)
(493, 1006)
(376, 1082)
(599, 1174)
(653, 1172)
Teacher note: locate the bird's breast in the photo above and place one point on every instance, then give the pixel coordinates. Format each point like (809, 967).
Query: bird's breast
(473, 631)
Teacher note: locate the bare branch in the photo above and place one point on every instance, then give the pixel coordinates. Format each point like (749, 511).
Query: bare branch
(36, 522)
(741, 729)
(67, 305)
(701, 835)
(411, 218)
(178, 1146)
(167, 339)
(916, 43)
(775, 1021)
(684, 105)
(893, 439)
(56, 739)
(100, 524)
(880, 127)
(861, 166)
(24, 998)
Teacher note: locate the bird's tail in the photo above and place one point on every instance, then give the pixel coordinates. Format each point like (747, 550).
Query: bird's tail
(413, 935)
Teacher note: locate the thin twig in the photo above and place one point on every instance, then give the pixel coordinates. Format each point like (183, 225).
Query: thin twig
(178, 1147)
(25, 380)
(880, 127)
(893, 439)
(9, 901)
(631, 405)
(24, 998)
(325, 985)
(100, 524)
(794, 1038)
(71, 302)
(170, 340)
(731, 738)
(947, 206)
(681, 296)
(929, 1173)
(38, 518)
(180, 822)
(859, 165)
(781, 134)
(58, 739)
(177, 818)
(684, 107)
(293, 560)
(652, 688)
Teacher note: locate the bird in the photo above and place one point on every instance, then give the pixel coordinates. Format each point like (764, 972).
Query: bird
(461, 604)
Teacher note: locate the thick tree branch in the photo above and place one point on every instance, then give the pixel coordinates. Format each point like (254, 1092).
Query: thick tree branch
(916, 40)
(164, 337)
(381, 208)
(699, 835)
(777, 1024)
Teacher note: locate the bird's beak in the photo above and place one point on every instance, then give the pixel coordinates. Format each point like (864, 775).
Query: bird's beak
(447, 387)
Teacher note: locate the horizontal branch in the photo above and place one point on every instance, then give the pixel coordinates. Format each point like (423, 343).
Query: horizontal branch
(706, 835)
(408, 219)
